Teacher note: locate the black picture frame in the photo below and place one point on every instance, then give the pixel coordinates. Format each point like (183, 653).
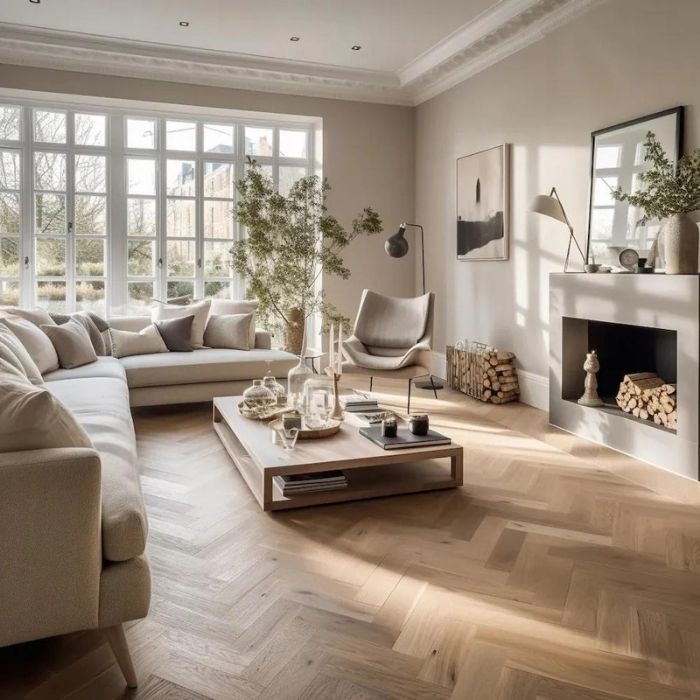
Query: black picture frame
(679, 113)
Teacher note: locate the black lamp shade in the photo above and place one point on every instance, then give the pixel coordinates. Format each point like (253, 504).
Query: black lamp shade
(397, 246)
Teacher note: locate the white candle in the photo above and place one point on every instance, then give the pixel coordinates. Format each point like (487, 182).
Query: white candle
(331, 354)
(340, 350)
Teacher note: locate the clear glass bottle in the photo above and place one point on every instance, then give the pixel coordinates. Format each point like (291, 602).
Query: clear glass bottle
(269, 382)
(258, 397)
(295, 384)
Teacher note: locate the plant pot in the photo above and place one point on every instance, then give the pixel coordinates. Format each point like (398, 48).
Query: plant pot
(680, 245)
(294, 332)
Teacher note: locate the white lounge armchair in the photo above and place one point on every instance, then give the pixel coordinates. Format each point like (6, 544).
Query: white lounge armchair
(391, 339)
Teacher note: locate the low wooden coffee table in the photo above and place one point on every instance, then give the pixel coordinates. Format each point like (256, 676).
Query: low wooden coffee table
(371, 471)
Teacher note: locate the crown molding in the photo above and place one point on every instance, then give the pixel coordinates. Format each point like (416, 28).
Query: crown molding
(506, 28)
(519, 31)
(84, 53)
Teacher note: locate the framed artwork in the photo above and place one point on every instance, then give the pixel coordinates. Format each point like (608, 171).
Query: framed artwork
(617, 160)
(483, 194)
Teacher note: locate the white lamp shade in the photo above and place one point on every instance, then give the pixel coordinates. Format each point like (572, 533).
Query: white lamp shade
(548, 206)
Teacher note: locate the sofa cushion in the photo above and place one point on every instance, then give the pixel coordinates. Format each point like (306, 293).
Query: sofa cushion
(16, 354)
(177, 333)
(35, 341)
(87, 320)
(226, 307)
(37, 316)
(103, 367)
(72, 344)
(32, 419)
(200, 311)
(229, 331)
(101, 407)
(206, 365)
(126, 343)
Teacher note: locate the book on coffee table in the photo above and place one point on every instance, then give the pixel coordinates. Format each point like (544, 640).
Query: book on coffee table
(404, 439)
(317, 481)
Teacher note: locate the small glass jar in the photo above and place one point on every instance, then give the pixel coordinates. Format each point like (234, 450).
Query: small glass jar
(419, 423)
(390, 428)
(269, 382)
(291, 419)
(319, 399)
(258, 397)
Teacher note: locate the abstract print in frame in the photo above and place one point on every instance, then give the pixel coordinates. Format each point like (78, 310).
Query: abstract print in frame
(483, 204)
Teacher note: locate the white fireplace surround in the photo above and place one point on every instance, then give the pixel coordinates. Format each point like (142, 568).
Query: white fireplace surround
(670, 302)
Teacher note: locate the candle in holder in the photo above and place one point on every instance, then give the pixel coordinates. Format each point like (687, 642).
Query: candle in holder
(390, 428)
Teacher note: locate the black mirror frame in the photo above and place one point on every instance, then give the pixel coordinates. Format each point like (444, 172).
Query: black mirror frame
(680, 127)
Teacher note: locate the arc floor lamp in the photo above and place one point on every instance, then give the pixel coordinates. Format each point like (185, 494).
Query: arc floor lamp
(397, 246)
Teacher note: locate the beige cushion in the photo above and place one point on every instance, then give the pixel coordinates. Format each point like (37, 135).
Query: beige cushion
(102, 367)
(392, 322)
(14, 352)
(36, 343)
(207, 365)
(200, 311)
(32, 419)
(72, 342)
(37, 316)
(12, 370)
(89, 321)
(126, 343)
(226, 307)
(229, 331)
(101, 407)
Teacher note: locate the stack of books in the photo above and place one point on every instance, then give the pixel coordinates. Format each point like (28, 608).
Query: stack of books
(308, 483)
(404, 439)
(357, 403)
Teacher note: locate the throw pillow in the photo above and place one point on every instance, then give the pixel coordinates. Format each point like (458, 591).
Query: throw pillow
(10, 344)
(36, 343)
(87, 320)
(200, 310)
(177, 333)
(8, 369)
(37, 316)
(126, 343)
(229, 331)
(226, 307)
(32, 419)
(72, 343)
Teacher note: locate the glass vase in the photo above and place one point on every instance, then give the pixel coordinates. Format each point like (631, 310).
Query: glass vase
(319, 399)
(269, 382)
(296, 379)
(259, 398)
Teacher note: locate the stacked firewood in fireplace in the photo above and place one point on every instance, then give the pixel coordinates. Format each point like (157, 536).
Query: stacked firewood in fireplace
(647, 396)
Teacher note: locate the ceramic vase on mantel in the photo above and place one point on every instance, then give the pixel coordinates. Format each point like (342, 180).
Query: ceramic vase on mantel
(680, 245)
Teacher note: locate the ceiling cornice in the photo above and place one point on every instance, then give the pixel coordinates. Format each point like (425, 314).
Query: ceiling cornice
(501, 31)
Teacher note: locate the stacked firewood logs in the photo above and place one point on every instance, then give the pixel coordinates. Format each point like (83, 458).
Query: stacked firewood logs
(647, 396)
(484, 373)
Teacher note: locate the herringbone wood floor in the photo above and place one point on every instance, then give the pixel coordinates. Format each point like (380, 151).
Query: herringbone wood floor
(549, 575)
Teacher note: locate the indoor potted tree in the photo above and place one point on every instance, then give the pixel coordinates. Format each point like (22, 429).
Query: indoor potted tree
(670, 192)
(291, 241)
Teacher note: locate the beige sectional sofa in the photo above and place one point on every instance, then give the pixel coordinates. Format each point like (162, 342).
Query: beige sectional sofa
(73, 525)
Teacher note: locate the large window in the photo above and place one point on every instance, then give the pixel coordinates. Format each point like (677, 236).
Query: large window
(107, 209)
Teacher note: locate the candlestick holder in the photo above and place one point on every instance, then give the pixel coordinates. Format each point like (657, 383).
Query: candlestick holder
(337, 413)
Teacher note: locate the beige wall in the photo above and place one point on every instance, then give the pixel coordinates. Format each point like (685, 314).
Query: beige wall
(624, 59)
(368, 153)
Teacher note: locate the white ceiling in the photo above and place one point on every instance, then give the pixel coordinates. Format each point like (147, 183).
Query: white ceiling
(391, 32)
(411, 49)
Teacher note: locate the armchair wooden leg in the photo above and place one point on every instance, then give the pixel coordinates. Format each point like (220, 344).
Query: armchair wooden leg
(432, 383)
(120, 648)
(408, 405)
(370, 383)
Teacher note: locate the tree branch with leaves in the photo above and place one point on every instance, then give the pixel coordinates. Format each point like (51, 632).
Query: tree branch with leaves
(291, 242)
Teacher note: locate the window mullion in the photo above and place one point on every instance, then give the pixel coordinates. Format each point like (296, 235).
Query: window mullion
(27, 253)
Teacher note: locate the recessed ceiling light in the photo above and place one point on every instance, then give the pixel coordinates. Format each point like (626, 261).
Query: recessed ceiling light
(35, 2)
(293, 38)
(356, 47)
(184, 24)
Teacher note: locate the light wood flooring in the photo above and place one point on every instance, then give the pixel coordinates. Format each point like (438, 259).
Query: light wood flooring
(559, 571)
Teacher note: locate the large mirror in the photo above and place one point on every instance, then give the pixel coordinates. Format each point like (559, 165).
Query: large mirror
(617, 159)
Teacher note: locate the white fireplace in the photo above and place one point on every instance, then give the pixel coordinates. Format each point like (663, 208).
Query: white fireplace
(636, 323)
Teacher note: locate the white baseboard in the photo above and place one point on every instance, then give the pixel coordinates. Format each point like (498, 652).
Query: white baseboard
(534, 388)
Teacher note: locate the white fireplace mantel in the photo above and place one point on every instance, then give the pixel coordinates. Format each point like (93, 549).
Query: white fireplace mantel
(670, 302)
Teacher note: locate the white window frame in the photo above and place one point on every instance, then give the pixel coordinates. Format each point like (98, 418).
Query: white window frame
(116, 112)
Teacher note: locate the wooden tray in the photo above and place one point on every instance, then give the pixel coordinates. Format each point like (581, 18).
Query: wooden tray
(315, 433)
